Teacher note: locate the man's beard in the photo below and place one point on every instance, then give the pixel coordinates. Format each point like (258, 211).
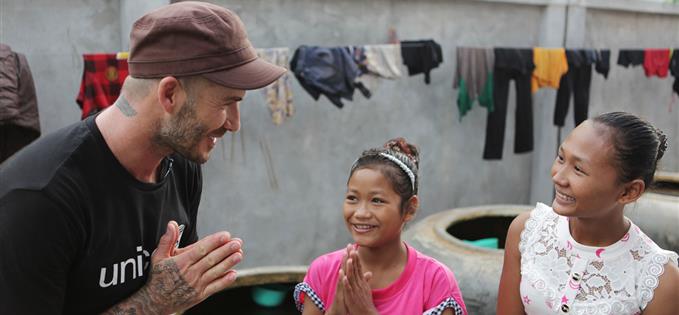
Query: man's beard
(183, 133)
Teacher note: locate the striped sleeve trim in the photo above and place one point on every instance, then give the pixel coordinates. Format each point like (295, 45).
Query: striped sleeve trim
(303, 287)
(447, 303)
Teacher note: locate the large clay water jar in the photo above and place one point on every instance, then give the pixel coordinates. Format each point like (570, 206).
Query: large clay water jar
(657, 211)
(252, 290)
(477, 269)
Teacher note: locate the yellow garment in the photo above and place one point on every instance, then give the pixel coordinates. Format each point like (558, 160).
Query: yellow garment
(550, 65)
(122, 55)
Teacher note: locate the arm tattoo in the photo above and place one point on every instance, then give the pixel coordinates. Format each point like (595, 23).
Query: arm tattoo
(166, 289)
(125, 107)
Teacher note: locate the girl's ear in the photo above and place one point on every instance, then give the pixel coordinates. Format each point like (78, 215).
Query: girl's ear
(411, 208)
(633, 190)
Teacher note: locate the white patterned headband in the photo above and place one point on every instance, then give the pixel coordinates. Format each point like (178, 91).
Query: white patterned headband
(403, 166)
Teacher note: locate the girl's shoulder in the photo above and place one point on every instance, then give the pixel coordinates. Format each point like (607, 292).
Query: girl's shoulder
(329, 261)
(430, 268)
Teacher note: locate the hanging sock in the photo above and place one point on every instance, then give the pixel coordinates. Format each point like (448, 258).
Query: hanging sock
(421, 56)
(103, 77)
(279, 93)
(656, 62)
(550, 66)
(474, 78)
(630, 57)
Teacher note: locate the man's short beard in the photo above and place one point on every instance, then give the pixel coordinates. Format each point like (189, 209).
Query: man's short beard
(183, 133)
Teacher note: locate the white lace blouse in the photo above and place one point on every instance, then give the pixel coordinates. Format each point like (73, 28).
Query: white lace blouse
(558, 275)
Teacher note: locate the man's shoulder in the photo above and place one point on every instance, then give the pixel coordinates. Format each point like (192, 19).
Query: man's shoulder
(36, 165)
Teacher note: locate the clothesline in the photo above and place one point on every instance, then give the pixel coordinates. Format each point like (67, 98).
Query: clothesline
(337, 71)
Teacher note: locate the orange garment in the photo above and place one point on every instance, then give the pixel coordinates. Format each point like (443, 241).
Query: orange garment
(550, 65)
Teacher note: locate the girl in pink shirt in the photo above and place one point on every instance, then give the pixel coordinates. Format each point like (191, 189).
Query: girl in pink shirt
(380, 274)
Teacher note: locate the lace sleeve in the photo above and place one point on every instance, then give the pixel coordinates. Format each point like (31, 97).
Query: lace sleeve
(528, 235)
(303, 287)
(650, 275)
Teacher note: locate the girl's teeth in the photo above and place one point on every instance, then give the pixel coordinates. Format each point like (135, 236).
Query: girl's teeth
(566, 197)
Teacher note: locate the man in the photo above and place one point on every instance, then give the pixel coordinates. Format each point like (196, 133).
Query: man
(101, 215)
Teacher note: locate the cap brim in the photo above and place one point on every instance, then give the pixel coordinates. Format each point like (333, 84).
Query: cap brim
(250, 76)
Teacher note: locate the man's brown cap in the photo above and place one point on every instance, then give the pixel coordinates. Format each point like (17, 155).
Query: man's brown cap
(197, 38)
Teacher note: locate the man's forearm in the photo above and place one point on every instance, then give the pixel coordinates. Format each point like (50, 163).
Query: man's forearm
(165, 293)
(137, 304)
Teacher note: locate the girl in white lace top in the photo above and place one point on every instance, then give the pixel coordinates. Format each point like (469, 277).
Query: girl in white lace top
(582, 255)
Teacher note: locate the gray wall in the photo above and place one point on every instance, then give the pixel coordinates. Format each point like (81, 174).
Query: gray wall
(281, 187)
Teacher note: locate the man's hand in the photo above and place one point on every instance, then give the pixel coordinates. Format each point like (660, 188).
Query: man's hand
(181, 278)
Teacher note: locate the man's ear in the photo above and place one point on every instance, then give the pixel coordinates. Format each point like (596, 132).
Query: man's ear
(632, 191)
(169, 94)
(411, 208)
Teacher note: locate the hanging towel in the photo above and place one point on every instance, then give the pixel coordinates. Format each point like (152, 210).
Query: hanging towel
(630, 57)
(474, 78)
(421, 56)
(656, 62)
(326, 71)
(377, 62)
(550, 65)
(103, 77)
(279, 93)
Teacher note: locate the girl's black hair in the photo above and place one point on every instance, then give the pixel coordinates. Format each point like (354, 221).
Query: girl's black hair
(637, 144)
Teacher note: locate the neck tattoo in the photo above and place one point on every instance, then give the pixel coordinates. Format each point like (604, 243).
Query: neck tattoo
(125, 107)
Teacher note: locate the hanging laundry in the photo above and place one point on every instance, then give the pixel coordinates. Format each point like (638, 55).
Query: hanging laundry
(421, 56)
(358, 54)
(603, 63)
(630, 57)
(511, 64)
(377, 62)
(384, 61)
(278, 94)
(19, 118)
(325, 71)
(550, 66)
(474, 78)
(103, 77)
(656, 62)
(674, 69)
(577, 81)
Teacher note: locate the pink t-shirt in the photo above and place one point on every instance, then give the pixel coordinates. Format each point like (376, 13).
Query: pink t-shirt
(425, 287)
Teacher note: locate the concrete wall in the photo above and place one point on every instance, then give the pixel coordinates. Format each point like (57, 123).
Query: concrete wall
(281, 187)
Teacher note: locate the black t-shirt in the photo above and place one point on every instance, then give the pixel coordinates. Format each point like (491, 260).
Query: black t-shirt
(77, 230)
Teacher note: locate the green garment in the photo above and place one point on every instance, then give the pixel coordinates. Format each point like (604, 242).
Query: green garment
(485, 99)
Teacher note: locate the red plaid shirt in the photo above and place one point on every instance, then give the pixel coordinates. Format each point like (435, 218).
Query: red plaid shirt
(103, 77)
